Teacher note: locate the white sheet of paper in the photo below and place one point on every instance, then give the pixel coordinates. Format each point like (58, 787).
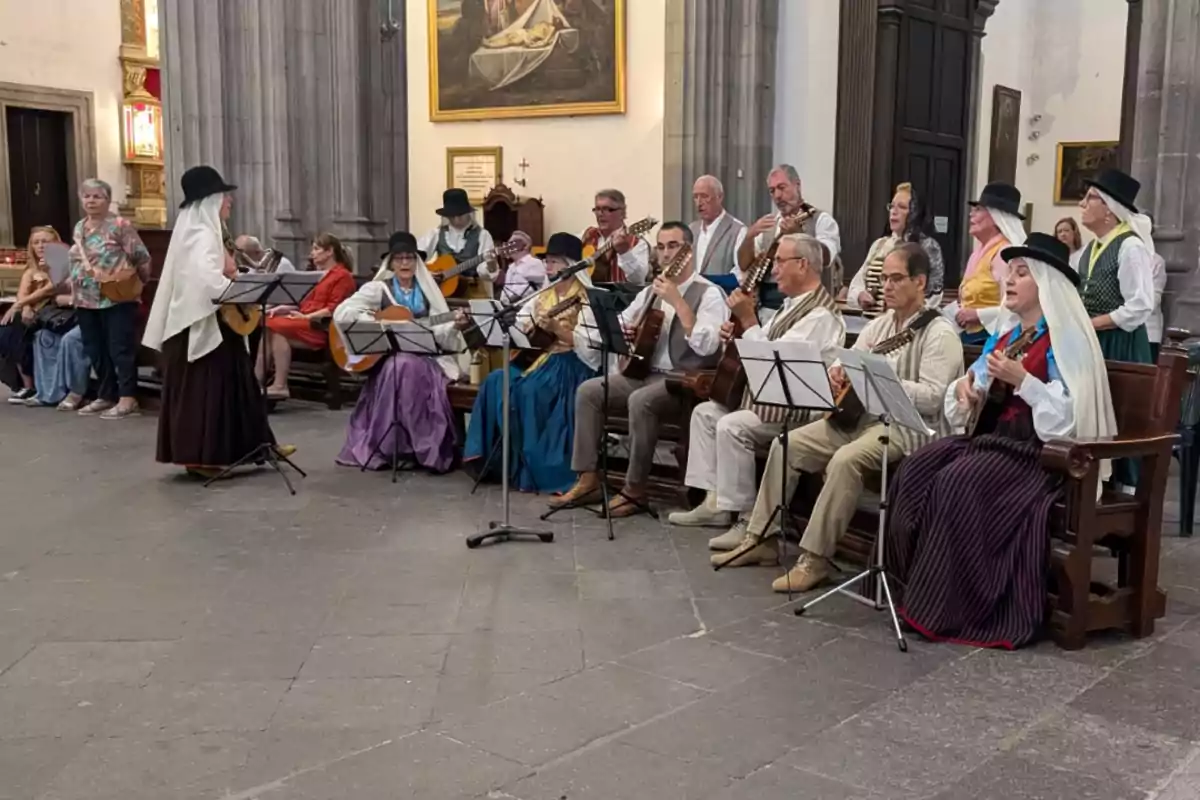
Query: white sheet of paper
(483, 312)
(363, 339)
(802, 372)
(58, 261)
(950, 311)
(855, 323)
(413, 338)
(889, 395)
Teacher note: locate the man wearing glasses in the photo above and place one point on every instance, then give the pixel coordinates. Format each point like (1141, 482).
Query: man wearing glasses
(631, 260)
(723, 441)
(847, 450)
(783, 182)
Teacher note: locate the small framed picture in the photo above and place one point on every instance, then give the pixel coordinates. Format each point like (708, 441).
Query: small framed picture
(476, 170)
(1076, 163)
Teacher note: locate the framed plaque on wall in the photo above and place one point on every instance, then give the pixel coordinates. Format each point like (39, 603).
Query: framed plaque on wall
(476, 170)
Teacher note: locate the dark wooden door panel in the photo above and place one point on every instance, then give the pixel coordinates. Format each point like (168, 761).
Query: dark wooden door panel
(934, 172)
(37, 164)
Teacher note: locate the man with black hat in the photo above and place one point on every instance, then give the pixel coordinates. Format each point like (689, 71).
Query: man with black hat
(1117, 267)
(213, 411)
(995, 223)
(458, 235)
(967, 532)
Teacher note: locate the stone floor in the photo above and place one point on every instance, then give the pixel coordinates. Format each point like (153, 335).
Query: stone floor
(160, 640)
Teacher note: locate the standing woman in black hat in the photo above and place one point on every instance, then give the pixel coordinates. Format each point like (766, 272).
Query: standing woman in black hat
(213, 412)
(108, 264)
(1117, 267)
(459, 235)
(967, 534)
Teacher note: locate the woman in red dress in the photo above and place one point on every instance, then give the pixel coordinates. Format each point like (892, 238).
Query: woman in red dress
(289, 327)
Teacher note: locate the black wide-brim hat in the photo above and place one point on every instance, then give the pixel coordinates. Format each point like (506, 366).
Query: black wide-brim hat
(1119, 186)
(1000, 196)
(565, 245)
(455, 203)
(402, 242)
(1047, 249)
(201, 182)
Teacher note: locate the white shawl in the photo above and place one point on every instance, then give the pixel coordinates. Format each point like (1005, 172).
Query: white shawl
(1139, 223)
(192, 278)
(1012, 229)
(455, 366)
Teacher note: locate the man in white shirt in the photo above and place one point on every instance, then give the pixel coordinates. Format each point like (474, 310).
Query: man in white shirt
(718, 234)
(693, 312)
(632, 252)
(525, 272)
(723, 441)
(459, 235)
(252, 248)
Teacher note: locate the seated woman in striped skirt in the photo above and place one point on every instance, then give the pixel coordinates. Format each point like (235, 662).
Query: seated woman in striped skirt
(969, 525)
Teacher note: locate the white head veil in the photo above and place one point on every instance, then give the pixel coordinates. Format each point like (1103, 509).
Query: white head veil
(1138, 223)
(453, 365)
(1078, 356)
(192, 277)
(1012, 229)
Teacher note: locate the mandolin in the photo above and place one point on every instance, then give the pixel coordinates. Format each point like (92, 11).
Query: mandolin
(996, 393)
(445, 270)
(728, 384)
(242, 318)
(605, 269)
(649, 326)
(541, 339)
(342, 357)
(849, 408)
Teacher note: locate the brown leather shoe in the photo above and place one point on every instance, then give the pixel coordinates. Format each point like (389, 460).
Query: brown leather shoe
(810, 572)
(586, 490)
(752, 552)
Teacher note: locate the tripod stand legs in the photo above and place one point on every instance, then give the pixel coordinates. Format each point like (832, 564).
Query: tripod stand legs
(263, 454)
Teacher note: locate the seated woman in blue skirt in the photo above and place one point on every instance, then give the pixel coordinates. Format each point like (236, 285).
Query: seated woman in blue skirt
(542, 411)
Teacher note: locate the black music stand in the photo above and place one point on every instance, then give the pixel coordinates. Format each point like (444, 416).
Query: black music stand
(789, 375)
(882, 395)
(263, 290)
(373, 337)
(606, 307)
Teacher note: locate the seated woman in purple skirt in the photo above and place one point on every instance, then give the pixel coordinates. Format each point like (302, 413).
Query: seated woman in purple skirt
(404, 388)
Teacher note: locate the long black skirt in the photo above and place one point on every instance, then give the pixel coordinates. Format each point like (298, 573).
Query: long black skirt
(968, 534)
(213, 411)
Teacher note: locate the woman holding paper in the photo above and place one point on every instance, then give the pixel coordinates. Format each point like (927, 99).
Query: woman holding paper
(213, 412)
(404, 388)
(543, 396)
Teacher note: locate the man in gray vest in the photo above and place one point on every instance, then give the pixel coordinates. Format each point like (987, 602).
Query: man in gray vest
(694, 311)
(459, 235)
(718, 234)
(784, 184)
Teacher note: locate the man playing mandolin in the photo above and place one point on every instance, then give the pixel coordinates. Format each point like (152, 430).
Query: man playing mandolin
(723, 440)
(631, 262)
(693, 311)
(926, 354)
(791, 215)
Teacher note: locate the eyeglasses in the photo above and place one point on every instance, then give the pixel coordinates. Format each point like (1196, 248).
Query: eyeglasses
(895, 206)
(405, 258)
(607, 209)
(785, 259)
(894, 279)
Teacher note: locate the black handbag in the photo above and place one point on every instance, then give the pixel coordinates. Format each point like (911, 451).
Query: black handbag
(55, 319)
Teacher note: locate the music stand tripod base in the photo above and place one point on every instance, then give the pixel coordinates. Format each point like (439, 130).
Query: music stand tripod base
(503, 532)
(265, 453)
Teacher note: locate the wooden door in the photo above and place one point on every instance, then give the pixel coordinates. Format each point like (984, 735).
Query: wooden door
(933, 122)
(37, 166)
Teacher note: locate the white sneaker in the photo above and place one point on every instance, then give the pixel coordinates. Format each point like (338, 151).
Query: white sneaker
(704, 515)
(730, 539)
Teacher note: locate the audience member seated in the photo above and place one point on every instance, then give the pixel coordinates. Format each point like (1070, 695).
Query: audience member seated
(289, 327)
(17, 326)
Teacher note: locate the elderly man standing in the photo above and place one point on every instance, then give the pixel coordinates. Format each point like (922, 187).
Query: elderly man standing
(784, 184)
(253, 249)
(718, 234)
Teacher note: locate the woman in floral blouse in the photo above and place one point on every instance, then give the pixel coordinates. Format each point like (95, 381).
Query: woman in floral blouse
(105, 242)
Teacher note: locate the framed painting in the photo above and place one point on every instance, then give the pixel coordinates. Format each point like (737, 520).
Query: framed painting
(1006, 130)
(494, 59)
(1077, 162)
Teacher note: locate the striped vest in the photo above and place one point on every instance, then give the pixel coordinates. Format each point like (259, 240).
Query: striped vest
(780, 325)
(1101, 286)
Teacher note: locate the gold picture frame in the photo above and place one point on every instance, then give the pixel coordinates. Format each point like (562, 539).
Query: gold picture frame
(1076, 162)
(582, 74)
(477, 170)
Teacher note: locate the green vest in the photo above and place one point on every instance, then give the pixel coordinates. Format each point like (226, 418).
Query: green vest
(1101, 288)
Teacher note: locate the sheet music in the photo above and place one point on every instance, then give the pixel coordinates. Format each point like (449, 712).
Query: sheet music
(950, 312)
(855, 323)
(365, 339)
(889, 395)
(799, 372)
(483, 312)
(410, 337)
(58, 261)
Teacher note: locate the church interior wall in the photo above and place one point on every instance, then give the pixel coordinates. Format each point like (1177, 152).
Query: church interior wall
(569, 157)
(68, 44)
(806, 79)
(1066, 58)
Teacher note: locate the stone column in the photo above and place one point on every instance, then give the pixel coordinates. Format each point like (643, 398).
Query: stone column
(720, 101)
(1166, 146)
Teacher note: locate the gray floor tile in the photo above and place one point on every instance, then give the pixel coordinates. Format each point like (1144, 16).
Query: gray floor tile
(249, 657)
(492, 652)
(1146, 702)
(406, 656)
(1010, 777)
(72, 662)
(178, 709)
(700, 662)
(385, 704)
(28, 765)
(778, 782)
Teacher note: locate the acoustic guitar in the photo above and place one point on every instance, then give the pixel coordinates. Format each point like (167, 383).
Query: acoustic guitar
(649, 325)
(445, 270)
(849, 408)
(541, 339)
(342, 356)
(996, 393)
(245, 318)
(729, 380)
(602, 257)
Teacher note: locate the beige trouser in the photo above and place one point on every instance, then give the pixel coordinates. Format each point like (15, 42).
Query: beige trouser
(722, 447)
(648, 402)
(844, 456)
